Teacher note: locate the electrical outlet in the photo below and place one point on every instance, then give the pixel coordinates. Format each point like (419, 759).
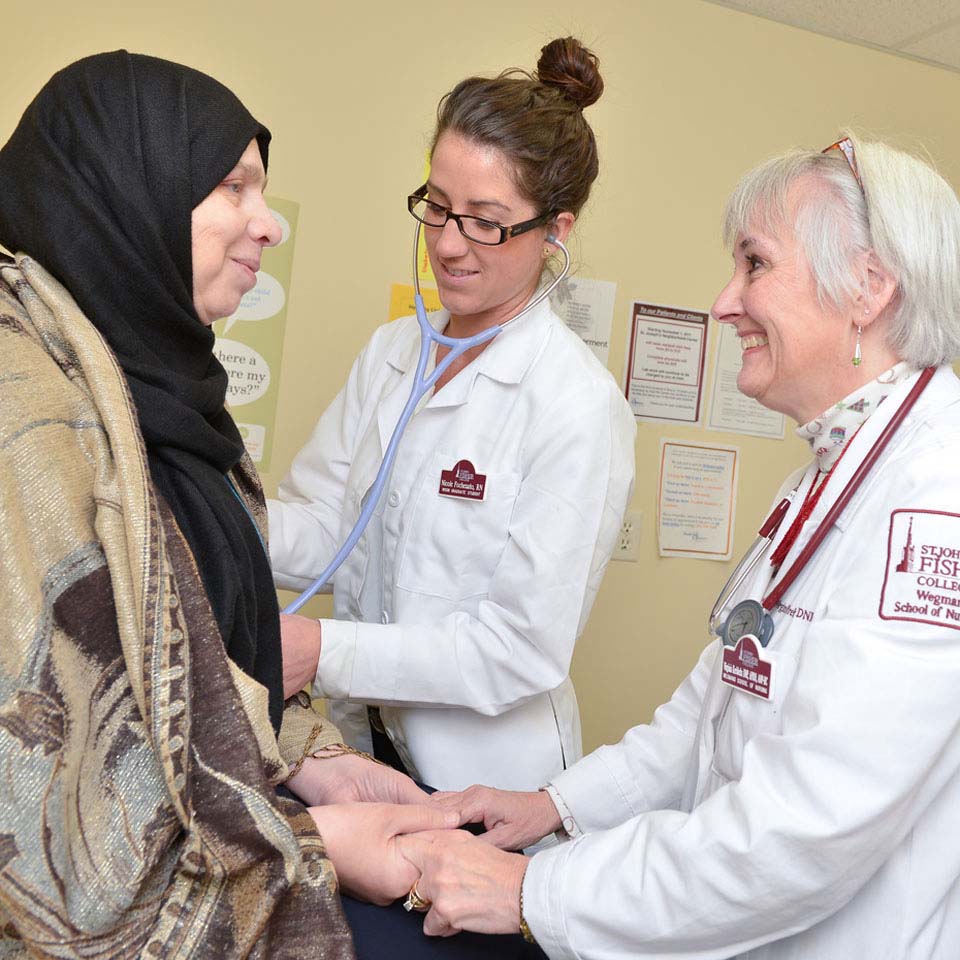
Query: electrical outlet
(627, 546)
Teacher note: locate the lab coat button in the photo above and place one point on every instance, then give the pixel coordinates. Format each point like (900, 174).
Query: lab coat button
(384, 617)
(394, 499)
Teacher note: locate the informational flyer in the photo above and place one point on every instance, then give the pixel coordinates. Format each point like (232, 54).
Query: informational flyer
(665, 361)
(250, 343)
(402, 302)
(730, 410)
(696, 500)
(586, 307)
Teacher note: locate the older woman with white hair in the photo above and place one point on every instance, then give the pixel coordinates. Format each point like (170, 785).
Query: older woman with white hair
(798, 795)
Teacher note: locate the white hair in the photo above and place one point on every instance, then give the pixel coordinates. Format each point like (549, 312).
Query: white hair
(906, 214)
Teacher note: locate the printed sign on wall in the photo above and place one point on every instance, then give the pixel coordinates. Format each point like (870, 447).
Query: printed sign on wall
(696, 500)
(665, 360)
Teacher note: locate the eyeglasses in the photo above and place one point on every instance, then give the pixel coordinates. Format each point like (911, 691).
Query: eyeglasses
(845, 146)
(473, 228)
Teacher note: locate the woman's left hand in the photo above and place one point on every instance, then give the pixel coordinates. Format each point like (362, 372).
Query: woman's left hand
(361, 840)
(300, 638)
(347, 778)
(471, 884)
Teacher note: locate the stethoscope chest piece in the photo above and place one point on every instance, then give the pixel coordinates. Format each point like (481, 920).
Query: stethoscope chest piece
(747, 617)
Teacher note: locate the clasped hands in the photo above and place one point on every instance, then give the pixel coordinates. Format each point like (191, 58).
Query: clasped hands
(383, 834)
(473, 883)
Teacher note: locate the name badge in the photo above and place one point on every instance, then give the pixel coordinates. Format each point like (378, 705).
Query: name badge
(463, 481)
(744, 668)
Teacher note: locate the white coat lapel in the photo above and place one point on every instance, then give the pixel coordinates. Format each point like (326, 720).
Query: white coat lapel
(506, 359)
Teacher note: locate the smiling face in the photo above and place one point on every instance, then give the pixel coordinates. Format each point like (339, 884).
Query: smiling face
(796, 351)
(229, 229)
(481, 284)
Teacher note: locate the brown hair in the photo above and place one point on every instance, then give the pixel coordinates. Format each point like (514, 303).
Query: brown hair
(537, 122)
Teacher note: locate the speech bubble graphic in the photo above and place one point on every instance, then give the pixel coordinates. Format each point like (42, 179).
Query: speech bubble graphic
(284, 226)
(249, 373)
(265, 300)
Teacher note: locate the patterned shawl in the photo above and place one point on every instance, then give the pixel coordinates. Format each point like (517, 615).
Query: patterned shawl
(99, 179)
(137, 809)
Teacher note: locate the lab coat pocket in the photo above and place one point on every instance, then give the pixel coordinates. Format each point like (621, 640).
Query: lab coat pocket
(451, 545)
(746, 717)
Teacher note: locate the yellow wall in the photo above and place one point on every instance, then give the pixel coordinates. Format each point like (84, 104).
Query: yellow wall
(695, 95)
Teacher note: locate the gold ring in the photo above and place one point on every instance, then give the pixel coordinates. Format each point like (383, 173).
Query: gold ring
(415, 902)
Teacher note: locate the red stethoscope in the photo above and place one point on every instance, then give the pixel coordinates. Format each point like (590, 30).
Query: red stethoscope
(753, 616)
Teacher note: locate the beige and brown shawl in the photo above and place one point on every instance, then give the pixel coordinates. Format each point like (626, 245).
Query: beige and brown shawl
(137, 765)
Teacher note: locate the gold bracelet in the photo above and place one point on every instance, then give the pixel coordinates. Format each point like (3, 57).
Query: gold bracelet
(328, 753)
(524, 926)
(314, 733)
(341, 749)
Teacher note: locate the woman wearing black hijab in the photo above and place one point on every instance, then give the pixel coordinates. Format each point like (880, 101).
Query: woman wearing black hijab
(140, 668)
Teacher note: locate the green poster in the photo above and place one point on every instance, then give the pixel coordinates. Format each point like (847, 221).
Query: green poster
(250, 343)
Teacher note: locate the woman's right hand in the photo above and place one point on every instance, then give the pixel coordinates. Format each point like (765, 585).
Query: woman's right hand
(300, 639)
(349, 777)
(513, 819)
(361, 842)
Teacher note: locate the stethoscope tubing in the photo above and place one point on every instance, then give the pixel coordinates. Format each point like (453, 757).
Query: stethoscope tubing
(743, 569)
(421, 386)
(866, 465)
(750, 559)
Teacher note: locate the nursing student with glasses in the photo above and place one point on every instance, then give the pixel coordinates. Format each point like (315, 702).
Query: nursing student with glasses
(455, 617)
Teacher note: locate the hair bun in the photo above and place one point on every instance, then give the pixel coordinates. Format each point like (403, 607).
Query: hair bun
(565, 63)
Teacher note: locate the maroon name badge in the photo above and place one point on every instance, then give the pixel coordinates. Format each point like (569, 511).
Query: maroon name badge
(744, 668)
(463, 481)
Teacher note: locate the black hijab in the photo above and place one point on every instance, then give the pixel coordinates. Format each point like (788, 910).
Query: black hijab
(97, 184)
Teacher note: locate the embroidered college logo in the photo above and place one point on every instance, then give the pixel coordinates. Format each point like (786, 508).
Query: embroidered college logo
(908, 558)
(922, 579)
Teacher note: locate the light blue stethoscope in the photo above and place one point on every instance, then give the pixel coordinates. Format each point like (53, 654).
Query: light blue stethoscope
(421, 385)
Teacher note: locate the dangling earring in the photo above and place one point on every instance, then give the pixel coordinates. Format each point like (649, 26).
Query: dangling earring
(857, 352)
(546, 252)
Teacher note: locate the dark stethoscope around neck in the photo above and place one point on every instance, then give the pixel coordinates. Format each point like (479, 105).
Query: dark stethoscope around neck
(753, 616)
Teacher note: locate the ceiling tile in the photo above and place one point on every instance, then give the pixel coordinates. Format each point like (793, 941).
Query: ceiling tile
(943, 47)
(884, 23)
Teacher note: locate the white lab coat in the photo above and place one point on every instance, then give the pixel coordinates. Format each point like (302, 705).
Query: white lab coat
(822, 825)
(457, 617)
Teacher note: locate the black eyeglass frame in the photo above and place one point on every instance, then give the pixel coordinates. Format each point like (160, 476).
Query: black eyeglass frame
(506, 233)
